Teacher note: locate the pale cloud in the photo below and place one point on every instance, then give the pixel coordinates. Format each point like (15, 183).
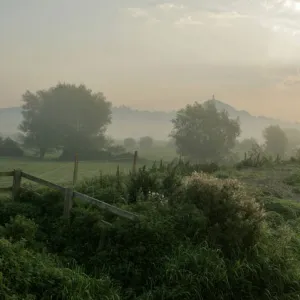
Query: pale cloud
(282, 8)
(289, 82)
(137, 12)
(291, 4)
(227, 15)
(279, 17)
(140, 13)
(187, 21)
(295, 32)
(169, 6)
(288, 26)
(227, 18)
(219, 19)
(193, 14)
(267, 5)
(237, 49)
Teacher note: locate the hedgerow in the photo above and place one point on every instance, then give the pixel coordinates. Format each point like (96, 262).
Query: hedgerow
(199, 237)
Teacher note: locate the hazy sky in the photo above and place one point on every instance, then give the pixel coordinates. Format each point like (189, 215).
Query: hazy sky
(156, 54)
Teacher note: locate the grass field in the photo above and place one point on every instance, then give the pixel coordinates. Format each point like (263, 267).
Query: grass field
(58, 172)
(274, 180)
(62, 172)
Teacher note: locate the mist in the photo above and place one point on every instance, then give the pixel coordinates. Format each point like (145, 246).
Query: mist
(154, 58)
(150, 149)
(156, 55)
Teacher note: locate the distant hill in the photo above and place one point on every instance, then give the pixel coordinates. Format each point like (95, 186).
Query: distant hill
(136, 123)
(252, 126)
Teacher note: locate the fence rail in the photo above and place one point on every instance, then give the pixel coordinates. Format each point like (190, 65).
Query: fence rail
(69, 194)
(43, 182)
(3, 174)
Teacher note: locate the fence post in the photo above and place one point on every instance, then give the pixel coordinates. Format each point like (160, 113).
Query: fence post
(75, 172)
(134, 162)
(68, 202)
(16, 184)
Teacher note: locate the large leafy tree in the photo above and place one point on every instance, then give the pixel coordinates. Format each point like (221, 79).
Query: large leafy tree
(38, 133)
(276, 140)
(66, 116)
(203, 134)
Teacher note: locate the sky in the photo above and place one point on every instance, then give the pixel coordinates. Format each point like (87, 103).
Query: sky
(154, 54)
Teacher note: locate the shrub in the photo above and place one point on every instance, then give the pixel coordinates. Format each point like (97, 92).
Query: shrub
(161, 181)
(20, 228)
(187, 168)
(10, 209)
(193, 272)
(130, 253)
(269, 271)
(274, 267)
(27, 274)
(293, 179)
(234, 219)
(256, 158)
(199, 237)
(108, 188)
(122, 188)
(274, 219)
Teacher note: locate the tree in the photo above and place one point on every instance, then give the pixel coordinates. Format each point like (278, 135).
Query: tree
(293, 137)
(146, 142)
(129, 143)
(275, 140)
(66, 116)
(9, 147)
(202, 133)
(37, 132)
(244, 146)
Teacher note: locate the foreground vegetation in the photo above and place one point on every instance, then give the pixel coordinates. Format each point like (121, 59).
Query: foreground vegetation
(201, 236)
(204, 232)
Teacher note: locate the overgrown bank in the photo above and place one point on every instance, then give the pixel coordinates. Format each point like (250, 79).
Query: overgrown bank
(199, 238)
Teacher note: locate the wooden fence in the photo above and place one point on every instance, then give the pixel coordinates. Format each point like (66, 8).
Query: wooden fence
(69, 193)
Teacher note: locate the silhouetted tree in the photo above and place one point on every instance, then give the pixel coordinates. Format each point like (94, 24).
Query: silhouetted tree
(146, 142)
(129, 143)
(275, 140)
(202, 133)
(65, 116)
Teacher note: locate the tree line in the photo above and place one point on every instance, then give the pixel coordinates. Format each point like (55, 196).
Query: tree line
(204, 134)
(73, 119)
